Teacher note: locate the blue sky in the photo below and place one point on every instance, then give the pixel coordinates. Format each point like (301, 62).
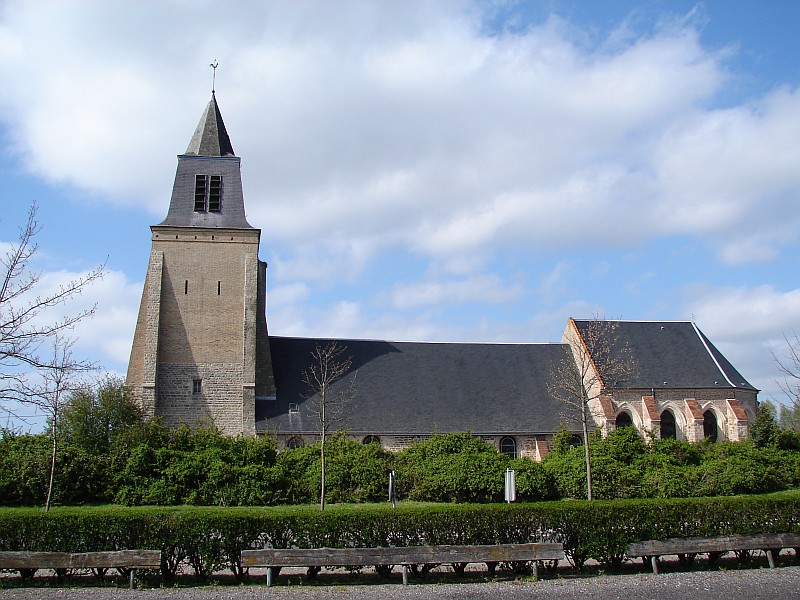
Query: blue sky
(442, 171)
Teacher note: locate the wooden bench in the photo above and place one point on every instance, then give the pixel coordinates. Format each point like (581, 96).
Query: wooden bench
(768, 542)
(30, 562)
(406, 556)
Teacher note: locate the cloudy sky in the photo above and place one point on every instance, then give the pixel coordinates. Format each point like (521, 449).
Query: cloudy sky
(448, 171)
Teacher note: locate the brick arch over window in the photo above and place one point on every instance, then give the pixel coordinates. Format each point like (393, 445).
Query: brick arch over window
(371, 439)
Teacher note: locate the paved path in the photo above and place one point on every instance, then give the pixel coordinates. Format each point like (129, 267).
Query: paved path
(749, 584)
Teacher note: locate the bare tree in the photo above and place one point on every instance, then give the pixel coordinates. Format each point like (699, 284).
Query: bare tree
(328, 366)
(50, 391)
(789, 367)
(601, 360)
(24, 324)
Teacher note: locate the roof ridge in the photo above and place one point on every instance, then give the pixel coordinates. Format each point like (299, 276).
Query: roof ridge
(711, 354)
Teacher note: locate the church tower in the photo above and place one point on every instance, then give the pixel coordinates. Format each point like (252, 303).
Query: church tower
(200, 351)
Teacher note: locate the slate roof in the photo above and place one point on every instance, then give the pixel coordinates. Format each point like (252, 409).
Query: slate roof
(422, 388)
(211, 138)
(673, 354)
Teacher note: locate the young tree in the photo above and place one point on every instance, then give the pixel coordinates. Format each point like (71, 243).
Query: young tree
(24, 324)
(601, 361)
(49, 392)
(328, 365)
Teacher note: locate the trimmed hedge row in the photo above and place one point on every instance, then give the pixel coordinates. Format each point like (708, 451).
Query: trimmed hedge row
(210, 539)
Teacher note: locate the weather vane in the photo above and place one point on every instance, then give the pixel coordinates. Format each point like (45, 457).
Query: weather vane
(214, 66)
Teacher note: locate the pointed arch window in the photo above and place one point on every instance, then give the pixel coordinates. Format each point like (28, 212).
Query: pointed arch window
(710, 426)
(669, 429)
(623, 420)
(208, 193)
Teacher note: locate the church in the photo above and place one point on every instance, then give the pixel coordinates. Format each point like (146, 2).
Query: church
(202, 353)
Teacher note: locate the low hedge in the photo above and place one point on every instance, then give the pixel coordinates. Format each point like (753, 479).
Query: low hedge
(210, 539)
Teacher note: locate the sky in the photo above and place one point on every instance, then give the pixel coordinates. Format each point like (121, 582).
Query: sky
(427, 171)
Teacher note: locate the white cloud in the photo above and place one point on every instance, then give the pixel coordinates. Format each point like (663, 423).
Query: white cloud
(748, 325)
(402, 124)
(106, 336)
(487, 289)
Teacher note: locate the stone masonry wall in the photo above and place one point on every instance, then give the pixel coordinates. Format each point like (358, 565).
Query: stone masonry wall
(219, 401)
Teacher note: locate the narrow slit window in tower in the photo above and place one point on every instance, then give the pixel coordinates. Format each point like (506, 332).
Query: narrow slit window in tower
(219, 287)
(186, 287)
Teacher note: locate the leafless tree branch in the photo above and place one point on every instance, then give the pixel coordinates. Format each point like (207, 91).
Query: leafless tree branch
(23, 323)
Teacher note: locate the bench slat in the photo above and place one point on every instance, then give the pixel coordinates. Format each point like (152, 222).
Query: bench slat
(121, 558)
(34, 560)
(331, 557)
(725, 543)
(80, 560)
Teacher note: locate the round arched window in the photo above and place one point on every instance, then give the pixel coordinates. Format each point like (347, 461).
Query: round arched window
(669, 430)
(508, 446)
(372, 439)
(295, 442)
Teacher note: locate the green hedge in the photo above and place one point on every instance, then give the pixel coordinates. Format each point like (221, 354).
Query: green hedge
(209, 539)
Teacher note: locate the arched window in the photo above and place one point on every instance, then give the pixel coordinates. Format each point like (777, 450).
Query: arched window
(575, 441)
(710, 427)
(294, 443)
(371, 439)
(508, 446)
(624, 420)
(668, 428)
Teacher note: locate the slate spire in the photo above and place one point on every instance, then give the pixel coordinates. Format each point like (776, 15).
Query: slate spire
(208, 181)
(210, 138)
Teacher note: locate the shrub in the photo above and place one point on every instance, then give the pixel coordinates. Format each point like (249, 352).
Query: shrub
(454, 467)
(208, 538)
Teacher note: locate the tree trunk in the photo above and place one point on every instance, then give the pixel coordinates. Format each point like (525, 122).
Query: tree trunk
(52, 471)
(585, 419)
(322, 473)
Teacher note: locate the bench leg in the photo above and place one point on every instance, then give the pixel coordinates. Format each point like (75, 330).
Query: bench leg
(771, 559)
(269, 576)
(535, 569)
(132, 575)
(654, 562)
(405, 574)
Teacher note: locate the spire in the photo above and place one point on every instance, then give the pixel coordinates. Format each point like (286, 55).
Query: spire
(210, 138)
(208, 182)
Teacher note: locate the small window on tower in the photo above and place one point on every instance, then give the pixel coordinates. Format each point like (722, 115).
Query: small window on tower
(197, 386)
(215, 194)
(199, 193)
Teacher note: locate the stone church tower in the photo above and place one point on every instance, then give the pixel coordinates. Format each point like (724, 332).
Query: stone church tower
(200, 351)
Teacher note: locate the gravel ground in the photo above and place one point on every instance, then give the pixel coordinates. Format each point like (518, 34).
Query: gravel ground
(751, 584)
